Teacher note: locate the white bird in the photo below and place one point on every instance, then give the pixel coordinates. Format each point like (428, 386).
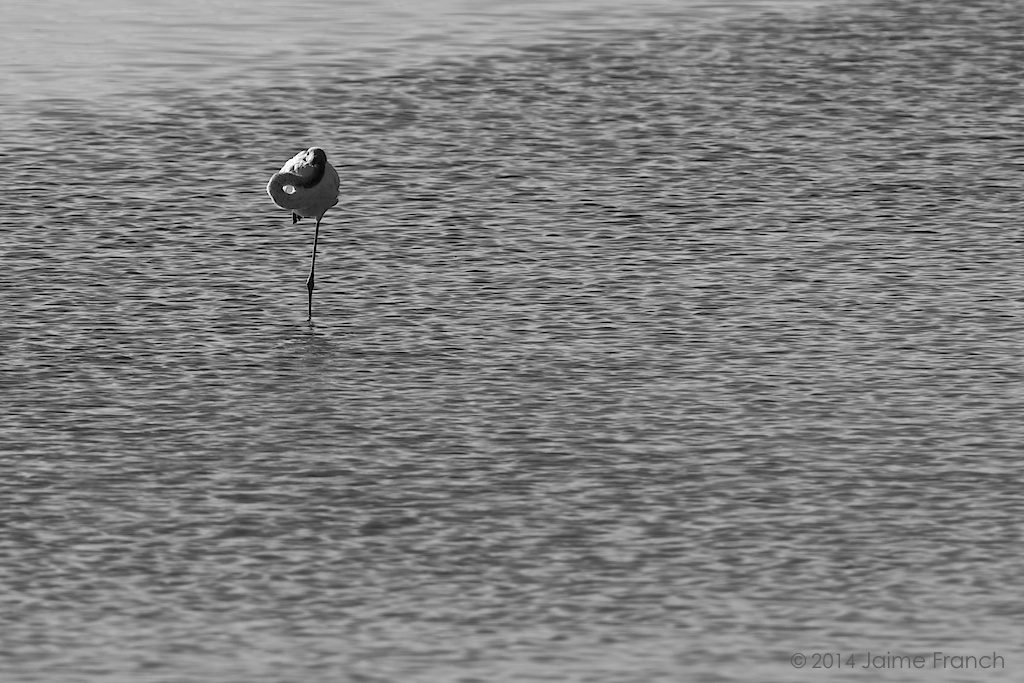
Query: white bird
(308, 186)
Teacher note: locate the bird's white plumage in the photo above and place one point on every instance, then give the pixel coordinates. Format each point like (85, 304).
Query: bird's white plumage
(287, 186)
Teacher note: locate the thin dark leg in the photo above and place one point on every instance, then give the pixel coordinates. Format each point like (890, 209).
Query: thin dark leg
(312, 265)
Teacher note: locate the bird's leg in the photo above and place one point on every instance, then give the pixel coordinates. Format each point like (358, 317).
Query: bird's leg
(295, 218)
(312, 265)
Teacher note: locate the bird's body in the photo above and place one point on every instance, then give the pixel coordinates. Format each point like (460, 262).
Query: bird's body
(308, 186)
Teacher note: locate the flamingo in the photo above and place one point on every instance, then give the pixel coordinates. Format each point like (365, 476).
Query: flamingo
(308, 186)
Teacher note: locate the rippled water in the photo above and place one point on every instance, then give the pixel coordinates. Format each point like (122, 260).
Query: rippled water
(644, 351)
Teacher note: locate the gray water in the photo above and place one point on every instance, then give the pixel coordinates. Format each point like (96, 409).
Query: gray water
(646, 348)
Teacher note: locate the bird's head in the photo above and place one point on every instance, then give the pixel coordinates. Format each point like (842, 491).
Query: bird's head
(316, 157)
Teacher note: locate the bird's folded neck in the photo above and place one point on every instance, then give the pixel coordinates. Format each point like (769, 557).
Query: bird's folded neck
(314, 180)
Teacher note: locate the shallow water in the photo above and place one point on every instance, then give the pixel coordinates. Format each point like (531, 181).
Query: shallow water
(649, 350)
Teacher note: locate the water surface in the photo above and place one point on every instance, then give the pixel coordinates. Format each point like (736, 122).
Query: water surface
(658, 351)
